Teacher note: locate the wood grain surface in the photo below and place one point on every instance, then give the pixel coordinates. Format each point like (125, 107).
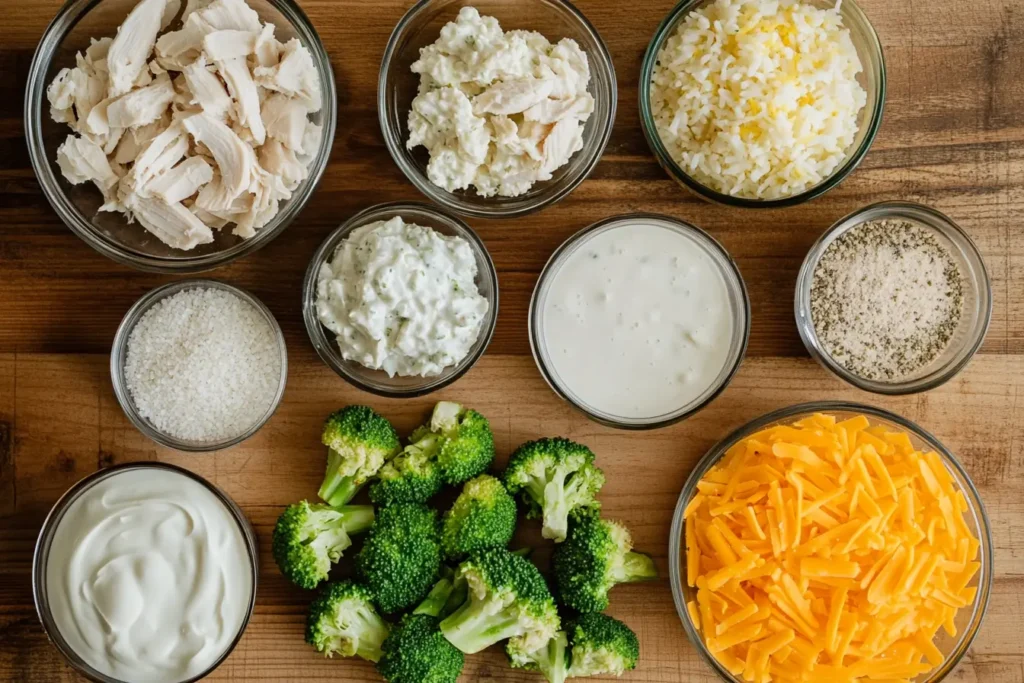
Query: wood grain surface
(953, 137)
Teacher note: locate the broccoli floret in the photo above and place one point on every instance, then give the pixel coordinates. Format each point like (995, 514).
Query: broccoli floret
(468, 447)
(401, 557)
(342, 620)
(413, 476)
(550, 659)
(360, 442)
(555, 477)
(596, 556)
(601, 645)
(416, 652)
(483, 516)
(506, 598)
(308, 539)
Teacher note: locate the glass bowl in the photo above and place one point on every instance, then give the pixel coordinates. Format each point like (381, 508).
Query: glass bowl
(738, 303)
(872, 78)
(119, 356)
(968, 621)
(40, 592)
(977, 311)
(397, 86)
(77, 205)
(377, 381)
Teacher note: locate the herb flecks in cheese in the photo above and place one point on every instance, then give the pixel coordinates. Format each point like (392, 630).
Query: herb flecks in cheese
(498, 111)
(402, 298)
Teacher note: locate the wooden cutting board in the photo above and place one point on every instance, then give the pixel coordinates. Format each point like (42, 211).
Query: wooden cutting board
(953, 137)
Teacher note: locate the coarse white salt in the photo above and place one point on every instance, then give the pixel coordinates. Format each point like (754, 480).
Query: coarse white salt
(203, 365)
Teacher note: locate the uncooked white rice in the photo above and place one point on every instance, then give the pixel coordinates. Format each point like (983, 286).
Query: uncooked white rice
(758, 98)
(203, 365)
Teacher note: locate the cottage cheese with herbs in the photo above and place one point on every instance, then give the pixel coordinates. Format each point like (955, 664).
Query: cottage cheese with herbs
(498, 111)
(402, 298)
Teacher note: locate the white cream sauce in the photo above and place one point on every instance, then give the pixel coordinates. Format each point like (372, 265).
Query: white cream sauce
(148, 576)
(637, 321)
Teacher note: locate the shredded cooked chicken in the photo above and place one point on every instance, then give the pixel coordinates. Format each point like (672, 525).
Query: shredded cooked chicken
(192, 129)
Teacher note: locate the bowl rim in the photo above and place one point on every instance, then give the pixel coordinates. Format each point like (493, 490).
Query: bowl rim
(809, 335)
(119, 355)
(730, 270)
(669, 165)
(52, 521)
(325, 345)
(788, 414)
(69, 15)
(483, 209)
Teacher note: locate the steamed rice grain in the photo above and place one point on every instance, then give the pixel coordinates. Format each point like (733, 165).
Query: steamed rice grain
(758, 98)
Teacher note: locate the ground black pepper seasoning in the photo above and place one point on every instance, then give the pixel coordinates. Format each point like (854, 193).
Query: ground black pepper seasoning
(886, 299)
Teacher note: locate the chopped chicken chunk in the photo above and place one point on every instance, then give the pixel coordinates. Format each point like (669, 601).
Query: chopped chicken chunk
(143, 105)
(234, 158)
(215, 222)
(231, 14)
(81, 159)
(159, 155)
(194, 6)
(285, 119)
(89, 90)
(513, 96)
(295, 75)
(267, 49)
(220, 46)
(565, 139)
(281, 161)
(207, 90)
(182, 181)
(61, 93)
(189, 120)
(173, 224)
(134, 42)
(96, 53)
(243, 91)
(171, 10)
(311, 139)
(552, 111)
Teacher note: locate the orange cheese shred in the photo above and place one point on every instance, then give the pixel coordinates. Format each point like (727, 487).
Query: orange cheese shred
(826, 551)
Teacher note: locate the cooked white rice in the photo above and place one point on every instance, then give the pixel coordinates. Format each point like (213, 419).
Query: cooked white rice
(758, 98)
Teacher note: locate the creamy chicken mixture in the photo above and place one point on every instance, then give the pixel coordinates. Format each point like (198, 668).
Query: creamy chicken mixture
(498, 111)
(188, 131)
(402, 298)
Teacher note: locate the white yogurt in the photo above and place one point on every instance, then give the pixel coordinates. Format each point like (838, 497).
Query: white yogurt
(148, 577)
(637, 321)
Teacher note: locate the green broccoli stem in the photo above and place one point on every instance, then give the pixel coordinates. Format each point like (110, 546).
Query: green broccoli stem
(336, 489)
(478, 624)
(367, 628)
(551, 659)
(635, 567)
(357, 518)
(457, 597)
(433, 605)
(556, 509)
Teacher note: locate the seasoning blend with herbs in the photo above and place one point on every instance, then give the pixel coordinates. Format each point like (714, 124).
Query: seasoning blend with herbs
(886, 299)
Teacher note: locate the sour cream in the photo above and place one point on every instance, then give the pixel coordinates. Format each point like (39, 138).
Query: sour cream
(148, 577)
(636, 320)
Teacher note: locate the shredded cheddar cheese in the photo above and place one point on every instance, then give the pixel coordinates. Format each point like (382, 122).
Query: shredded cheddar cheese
(828, 551)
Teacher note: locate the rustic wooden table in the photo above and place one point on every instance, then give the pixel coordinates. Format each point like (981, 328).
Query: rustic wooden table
(953, 137)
